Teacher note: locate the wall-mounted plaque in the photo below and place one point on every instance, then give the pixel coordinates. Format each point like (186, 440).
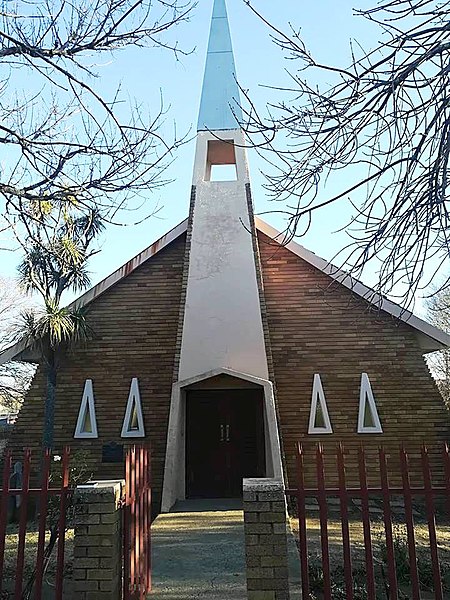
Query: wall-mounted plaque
(112, 453)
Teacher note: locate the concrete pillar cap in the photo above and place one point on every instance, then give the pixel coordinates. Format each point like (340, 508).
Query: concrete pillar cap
(262, 485)
(113, 487)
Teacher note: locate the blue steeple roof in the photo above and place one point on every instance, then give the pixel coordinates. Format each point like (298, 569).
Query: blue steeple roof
(220, 102)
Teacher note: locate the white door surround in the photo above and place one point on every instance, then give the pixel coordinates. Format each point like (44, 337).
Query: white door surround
(175, 464)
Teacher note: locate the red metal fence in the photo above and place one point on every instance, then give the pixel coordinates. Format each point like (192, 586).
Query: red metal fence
(42, 510)
(393, 571)
(46, 499)
(137, 521)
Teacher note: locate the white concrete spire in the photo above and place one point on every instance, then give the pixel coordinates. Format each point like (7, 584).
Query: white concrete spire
(222, 321)
(222, 327)
(220, 107)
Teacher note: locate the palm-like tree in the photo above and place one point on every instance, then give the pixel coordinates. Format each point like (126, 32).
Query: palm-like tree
(55, 260)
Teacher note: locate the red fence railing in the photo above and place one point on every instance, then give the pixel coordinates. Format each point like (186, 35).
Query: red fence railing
(393, 571)
(46, 499)
(137, 522)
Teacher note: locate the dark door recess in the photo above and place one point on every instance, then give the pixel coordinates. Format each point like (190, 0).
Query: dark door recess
(224, 441)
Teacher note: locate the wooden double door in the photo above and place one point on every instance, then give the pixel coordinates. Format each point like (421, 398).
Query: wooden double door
(224, 441)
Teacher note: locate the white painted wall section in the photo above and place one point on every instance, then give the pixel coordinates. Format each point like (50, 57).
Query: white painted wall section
(222, 321)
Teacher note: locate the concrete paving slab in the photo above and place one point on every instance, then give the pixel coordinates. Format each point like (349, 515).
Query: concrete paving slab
(208, 505)
(294, 566)
(198, 553)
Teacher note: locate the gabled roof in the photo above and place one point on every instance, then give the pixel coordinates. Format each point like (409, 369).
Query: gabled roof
(430, 338)
(16, 351)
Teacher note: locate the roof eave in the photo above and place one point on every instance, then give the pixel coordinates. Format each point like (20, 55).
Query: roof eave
(430, 338)
(22, 352)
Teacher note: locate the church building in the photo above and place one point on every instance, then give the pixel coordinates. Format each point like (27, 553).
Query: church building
(222, 347)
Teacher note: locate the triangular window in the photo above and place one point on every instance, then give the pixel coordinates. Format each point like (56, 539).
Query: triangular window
(133, 423)
(87, 423)
(368, 419)
(319, 419)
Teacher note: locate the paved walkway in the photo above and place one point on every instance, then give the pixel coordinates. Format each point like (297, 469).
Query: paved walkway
(198, 552)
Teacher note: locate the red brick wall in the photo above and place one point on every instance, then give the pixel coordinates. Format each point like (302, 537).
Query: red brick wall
(135, 324)
(318, 329)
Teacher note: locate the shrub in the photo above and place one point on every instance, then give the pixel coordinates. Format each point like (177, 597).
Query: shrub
(401, 554)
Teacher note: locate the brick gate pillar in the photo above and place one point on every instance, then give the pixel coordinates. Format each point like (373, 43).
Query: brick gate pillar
(266, 539)
(97, 569)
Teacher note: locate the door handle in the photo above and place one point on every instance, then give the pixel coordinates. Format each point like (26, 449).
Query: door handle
(221, 433)
(228, 433)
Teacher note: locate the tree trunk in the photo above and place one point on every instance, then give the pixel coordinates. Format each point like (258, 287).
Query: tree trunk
(49, 415)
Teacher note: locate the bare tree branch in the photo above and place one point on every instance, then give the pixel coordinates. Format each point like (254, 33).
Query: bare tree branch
(66, 139)
(15, 377)
(386, 120)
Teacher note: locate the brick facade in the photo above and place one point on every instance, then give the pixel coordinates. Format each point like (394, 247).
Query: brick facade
(311, 327)
(135, 327)
(184, 283)
(266, 551)
(319, 327)
(97, 570)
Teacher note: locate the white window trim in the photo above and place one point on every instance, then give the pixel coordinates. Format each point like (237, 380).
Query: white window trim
(318, 394)
(87, 405)
(134, 399)
(366, 396)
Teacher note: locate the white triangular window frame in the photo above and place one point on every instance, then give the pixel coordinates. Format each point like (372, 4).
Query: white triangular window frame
(87, 407)
(318, 397)
(367, 400)
(134, 402)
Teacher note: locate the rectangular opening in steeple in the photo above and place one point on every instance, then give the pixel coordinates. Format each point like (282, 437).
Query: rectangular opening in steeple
(221, 161)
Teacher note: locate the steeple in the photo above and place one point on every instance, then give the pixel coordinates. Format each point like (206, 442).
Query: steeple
(220, 102)
(222, 331)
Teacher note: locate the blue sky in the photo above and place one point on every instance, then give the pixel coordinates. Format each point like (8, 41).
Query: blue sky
(144, 74)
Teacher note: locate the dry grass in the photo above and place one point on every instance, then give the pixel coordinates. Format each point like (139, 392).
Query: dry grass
(31, 541)
(357, 538)
(378, 541)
